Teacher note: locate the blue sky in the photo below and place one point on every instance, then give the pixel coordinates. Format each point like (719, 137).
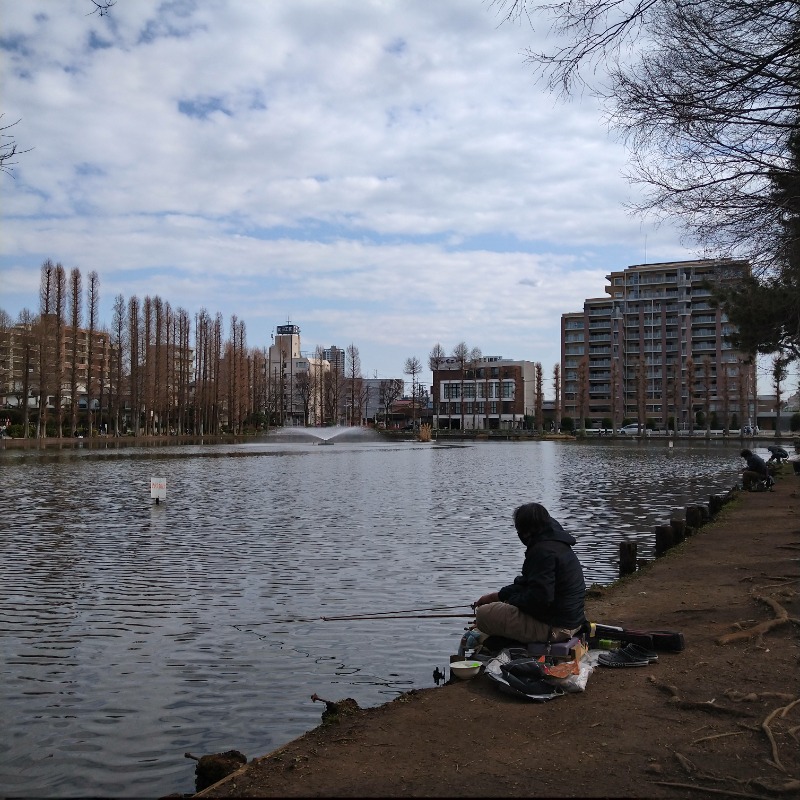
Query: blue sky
(386, 174)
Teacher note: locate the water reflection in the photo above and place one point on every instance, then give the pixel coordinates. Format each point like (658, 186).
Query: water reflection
(133, 632)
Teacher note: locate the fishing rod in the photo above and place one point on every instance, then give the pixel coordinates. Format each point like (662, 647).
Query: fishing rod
(354, 618)
(398, 611)
(396, 614)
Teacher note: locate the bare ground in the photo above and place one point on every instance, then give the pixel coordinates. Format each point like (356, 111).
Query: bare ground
(722, 717)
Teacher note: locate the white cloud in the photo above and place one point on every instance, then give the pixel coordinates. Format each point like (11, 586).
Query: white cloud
(387, 174)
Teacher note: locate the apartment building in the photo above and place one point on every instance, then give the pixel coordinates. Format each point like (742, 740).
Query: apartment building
(295, 380)
(488, 393)
(654, 349)
(34, 361)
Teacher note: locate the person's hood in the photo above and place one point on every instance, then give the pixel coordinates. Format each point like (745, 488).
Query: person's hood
(554, 531)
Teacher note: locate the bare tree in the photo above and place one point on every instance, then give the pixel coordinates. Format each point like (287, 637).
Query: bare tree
(118, 341)
(334, 387)
(75, 297)
(8, 148)
(390, 391)
(243, 389)
(26, 320)
(461, 355)
(92, 308)
(539, 412)
(354, 382)
(104, 386)
(304, 388)
(435, 360)
(147, 361)
(779, 375)
(215, 419)
(60, 299)
(44, 337)
(135, 363)
(704, 92)
(475, 356)
(413, 367)
(102, 7)
(157, 352)
(320, 379)
(557, 394)
(184, 368)
(742, 394)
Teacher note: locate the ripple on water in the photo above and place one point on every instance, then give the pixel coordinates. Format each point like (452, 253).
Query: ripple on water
(133, 632)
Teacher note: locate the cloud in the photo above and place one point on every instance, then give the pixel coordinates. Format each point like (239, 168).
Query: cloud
(386, 174)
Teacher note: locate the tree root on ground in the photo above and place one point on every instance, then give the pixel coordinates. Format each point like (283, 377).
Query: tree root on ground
(782, 617)
(753, 697)
(708, 789)
(695, 705)
(790, 785)
(768, 731)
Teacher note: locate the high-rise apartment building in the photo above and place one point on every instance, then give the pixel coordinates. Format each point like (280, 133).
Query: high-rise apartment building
(655, 349)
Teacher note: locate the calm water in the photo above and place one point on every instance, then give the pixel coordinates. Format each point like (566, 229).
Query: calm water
(134, 632)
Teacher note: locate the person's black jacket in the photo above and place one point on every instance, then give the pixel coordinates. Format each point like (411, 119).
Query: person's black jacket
(756, 464)
(551, 587)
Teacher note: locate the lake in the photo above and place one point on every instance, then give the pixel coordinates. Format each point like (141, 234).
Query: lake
(134, 632)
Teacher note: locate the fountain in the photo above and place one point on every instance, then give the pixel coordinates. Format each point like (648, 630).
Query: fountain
(324, 436)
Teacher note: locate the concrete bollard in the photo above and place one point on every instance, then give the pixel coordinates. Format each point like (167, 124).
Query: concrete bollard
(664, 539)
(627, 558)
(715, 503)
(696, 516)
(678, 530)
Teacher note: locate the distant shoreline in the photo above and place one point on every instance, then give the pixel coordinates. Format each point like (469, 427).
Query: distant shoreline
(101, 442)
(104, 442)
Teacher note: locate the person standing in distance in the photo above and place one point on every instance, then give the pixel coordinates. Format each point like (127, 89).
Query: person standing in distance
(546, 602)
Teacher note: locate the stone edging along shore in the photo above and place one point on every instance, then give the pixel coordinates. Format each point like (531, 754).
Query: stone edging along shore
(720, 717)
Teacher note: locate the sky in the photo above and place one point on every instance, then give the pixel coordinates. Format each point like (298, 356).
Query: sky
(384, 174)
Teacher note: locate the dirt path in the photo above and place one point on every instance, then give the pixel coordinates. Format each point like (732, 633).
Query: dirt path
(715, 718)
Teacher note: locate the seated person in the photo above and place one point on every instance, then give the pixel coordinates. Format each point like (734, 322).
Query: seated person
(546, 602)
(755, 471)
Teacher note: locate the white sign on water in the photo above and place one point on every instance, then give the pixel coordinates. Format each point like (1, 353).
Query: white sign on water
(158, 489)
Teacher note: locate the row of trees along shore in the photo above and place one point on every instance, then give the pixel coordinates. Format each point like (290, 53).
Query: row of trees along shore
(197, 384)
(182, 375)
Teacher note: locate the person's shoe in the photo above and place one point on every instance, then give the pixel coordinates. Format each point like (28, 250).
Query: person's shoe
(636, 651)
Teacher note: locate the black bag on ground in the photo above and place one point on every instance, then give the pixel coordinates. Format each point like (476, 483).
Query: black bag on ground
(664, 641)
